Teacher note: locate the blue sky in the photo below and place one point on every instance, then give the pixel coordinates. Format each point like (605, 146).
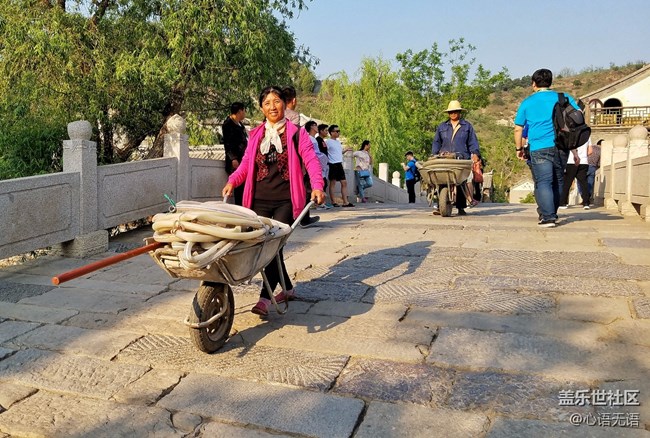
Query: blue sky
(574, 34)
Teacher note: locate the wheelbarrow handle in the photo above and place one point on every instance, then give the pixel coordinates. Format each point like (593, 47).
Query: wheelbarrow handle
(302, 215)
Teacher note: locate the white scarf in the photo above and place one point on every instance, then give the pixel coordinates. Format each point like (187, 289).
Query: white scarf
(272, 136)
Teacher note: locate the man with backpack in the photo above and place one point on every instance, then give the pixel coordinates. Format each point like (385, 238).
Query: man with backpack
(547, 162)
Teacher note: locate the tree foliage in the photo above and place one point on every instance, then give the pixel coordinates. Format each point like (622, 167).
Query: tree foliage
(400, 110)
(129, 65)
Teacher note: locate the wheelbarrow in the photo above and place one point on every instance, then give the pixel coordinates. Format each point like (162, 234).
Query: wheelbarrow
(213, 307)
(230, 263)
(443, 176)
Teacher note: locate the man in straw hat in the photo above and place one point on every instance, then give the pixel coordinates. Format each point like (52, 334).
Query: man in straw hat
(456, 136)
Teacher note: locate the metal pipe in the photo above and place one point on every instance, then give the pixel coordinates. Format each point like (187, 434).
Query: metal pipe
(78, 272)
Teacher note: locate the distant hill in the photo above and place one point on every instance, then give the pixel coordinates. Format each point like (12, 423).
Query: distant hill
(504, 103)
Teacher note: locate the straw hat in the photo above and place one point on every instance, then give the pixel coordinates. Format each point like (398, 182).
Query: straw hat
(454, 105)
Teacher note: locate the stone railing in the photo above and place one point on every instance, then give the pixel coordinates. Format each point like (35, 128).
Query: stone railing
(623, 180)
(72, 210)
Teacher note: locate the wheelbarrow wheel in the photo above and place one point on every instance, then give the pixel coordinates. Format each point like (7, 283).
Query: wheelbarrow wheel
(444, 202)
(212, 299)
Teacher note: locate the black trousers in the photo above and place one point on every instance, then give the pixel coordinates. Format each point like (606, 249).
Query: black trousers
(238, 192)
(578, 172)
(461, 199)
(306, 219)
(410, 188)
(280, 211)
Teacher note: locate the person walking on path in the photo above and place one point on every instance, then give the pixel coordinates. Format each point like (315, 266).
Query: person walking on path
(546, 161)
(576, 168)
(271, 172)
(593, 159)
(456, 136)
(335, 153)
(234, 142)
(312, 129)
(322, 146)
(292, 102)
(409, 175)
(363, 169)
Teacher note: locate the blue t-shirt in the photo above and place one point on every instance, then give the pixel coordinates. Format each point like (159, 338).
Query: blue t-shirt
(409, 174)
(536, 111)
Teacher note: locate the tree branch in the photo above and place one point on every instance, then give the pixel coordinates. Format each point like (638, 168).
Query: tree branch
(102, 7)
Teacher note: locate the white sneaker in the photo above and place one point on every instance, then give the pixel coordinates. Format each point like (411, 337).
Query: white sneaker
(586, 207)
(563, 207)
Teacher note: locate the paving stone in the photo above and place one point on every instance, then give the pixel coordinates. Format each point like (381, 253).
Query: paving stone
(255, 362)
(514, 395)
(601, 310)
(282, 409)
(11, 329)
(187, 422)
(442, 266)
(564, 285)
(4, 352)
(168, 305)
(50, 265)
(566, 258)
(341, 290)
(415, 249)
(144, 290)
(568, 330)
(129, 322)
(142, 273)
(634, 332)
(10, 394)
(93, 343)
(640, 387)
(625, 242)
(149, 388)
(395, 382)
(35, 313)
(222, 430)
(507, 428)
(71, 374)
(486, 300)
(555, 268)
(642, 307)
(84, 300)
(390, 312)
(556, 358)
(392, 420)
(355, 336)
(46, 415)
(13, 292)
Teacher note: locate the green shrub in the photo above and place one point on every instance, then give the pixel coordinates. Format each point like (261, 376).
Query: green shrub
(528, 199)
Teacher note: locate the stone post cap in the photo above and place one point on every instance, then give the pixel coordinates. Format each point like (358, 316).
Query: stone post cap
(396, 174)
(620, 141)
(80, 130)
(176, 124)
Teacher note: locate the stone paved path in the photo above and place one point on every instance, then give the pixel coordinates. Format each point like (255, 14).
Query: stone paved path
(407, 325)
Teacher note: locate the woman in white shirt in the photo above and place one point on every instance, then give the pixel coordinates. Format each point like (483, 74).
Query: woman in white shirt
(363, 169)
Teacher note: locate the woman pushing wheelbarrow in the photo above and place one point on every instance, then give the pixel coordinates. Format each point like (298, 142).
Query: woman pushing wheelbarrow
(271, 172)
(454, 139)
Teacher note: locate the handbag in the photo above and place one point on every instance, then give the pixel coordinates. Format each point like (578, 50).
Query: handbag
(478, 173)
(364, 173)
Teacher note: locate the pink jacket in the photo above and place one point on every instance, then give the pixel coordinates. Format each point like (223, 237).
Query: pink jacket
(246, 171)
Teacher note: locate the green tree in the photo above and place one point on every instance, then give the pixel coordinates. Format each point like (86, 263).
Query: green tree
(129, 65)
(399, 110)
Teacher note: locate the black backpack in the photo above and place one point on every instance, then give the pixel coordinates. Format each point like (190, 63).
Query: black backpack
(416, 174)
(571, 131)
